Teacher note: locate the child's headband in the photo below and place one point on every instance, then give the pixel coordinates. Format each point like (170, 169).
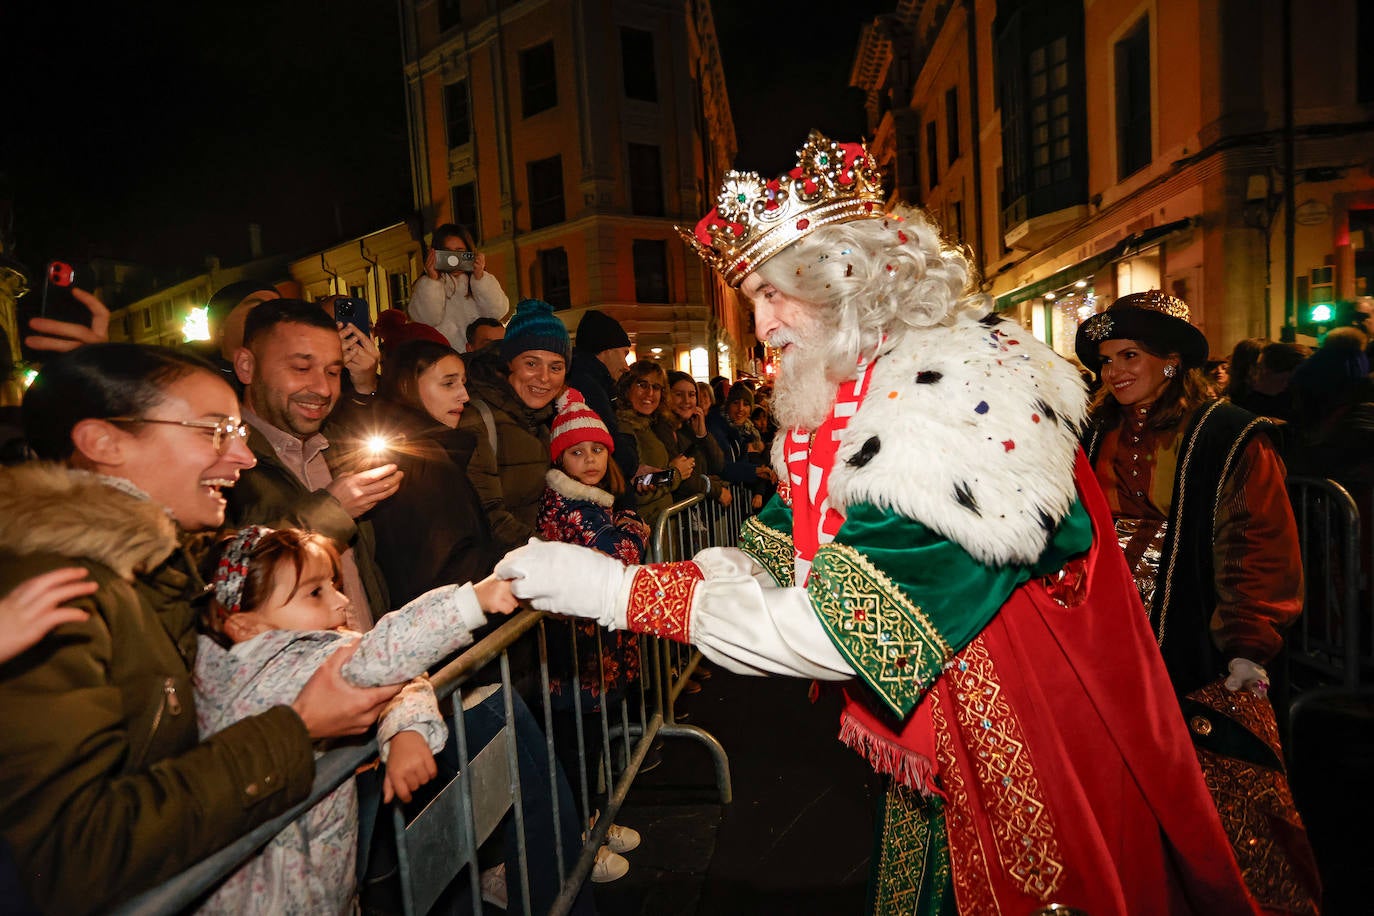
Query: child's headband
(232, 571)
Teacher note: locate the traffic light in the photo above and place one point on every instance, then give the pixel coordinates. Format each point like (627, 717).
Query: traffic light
(1316, 318)
(1321, 313)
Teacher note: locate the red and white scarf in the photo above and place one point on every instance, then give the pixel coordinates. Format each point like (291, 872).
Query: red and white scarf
(908, 754)
(809, 457)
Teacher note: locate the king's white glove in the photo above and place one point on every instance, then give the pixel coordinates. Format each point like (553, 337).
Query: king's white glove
(1246, 675)
(567, 579)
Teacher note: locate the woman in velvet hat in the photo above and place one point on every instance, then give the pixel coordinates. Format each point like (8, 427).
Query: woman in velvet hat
(1197, 493)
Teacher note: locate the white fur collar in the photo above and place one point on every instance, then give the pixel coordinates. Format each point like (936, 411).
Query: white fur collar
(568, 488)
(971, 429)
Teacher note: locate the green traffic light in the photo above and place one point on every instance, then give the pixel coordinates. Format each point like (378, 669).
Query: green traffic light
(1320, 314)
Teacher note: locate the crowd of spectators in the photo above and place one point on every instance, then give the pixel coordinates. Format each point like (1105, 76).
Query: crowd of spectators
(418, 454)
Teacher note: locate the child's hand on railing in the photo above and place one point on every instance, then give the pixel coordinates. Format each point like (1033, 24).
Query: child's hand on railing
(495, 596)
(409, 765)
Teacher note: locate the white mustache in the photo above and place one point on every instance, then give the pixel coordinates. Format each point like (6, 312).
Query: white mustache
(781, 338)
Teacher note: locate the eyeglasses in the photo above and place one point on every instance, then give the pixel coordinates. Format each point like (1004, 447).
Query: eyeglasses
(225, 431)
(642, 385)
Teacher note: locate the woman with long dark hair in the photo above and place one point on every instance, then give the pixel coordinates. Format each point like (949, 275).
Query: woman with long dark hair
(433, 531)
(1197, 493)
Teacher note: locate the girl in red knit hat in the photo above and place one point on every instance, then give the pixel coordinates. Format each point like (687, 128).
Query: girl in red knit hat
(578, 507)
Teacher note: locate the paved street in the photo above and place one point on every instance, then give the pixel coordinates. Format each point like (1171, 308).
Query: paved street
(797, 838)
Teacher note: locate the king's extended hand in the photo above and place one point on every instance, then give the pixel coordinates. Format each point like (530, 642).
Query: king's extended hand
(566, 579)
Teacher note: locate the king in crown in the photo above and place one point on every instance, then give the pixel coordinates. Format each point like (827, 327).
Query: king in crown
(933, 554)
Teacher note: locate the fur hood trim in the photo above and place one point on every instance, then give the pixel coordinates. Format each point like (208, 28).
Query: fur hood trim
(50, 508)
(569, 488)
(970, 428)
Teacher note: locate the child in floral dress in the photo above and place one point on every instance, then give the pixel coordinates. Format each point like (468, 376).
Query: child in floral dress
(275, 618)
(578, 507)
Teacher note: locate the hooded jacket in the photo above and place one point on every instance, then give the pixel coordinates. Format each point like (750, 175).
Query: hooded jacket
(107, 790)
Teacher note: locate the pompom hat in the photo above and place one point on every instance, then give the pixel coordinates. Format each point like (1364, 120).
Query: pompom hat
(576, 422)
(535, 327)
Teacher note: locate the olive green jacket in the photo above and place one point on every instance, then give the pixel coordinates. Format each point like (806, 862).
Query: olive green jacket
(106, 790)
(509, 480)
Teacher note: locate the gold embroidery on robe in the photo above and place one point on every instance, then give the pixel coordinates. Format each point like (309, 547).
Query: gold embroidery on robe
(886, 638)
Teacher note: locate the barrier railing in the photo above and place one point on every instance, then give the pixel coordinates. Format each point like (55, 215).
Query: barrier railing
(488, 790)
(1331, 639)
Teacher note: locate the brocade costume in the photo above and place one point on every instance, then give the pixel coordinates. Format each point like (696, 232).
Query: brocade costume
(941, 547)
(1203, 516)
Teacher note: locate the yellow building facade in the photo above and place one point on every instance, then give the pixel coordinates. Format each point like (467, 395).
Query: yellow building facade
(1085, 150)
(571, 138)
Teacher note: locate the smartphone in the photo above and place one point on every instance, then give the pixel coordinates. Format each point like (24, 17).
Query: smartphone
(59, 279)
(654, 479)
(355, 312)
(446, 262)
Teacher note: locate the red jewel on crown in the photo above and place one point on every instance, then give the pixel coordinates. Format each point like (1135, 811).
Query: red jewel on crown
(755, 218)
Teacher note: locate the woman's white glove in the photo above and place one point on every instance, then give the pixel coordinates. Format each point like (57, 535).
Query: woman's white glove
(1246, 675)
(567, 579)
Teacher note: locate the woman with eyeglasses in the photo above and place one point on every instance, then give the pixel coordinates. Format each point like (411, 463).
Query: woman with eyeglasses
(107, 789)
(643, 411)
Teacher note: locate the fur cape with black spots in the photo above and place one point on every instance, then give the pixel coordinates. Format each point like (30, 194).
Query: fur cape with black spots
(970, 428)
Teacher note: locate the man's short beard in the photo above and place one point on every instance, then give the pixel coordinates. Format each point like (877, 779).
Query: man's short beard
(803, 393)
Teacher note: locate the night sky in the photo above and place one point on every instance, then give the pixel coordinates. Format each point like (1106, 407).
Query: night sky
(158, 131)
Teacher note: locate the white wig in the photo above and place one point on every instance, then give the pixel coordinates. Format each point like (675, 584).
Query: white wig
(875, 280)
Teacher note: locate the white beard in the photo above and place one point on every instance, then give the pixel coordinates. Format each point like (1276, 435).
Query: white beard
(803, 394)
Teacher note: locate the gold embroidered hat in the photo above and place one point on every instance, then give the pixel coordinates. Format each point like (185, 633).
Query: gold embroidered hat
(1156, 319)
(755, 218)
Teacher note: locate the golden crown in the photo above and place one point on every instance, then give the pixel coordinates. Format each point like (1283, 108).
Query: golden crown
(755, 218)
(1155, 300)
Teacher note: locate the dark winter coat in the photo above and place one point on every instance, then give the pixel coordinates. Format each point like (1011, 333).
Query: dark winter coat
(433, 531)
(510, 479)
(710, 460)
(106, 789)
(740, 466)
(575, 513)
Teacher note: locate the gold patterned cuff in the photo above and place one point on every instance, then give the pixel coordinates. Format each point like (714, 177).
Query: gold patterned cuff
(771, 548)
(661, 600)
(886, 638)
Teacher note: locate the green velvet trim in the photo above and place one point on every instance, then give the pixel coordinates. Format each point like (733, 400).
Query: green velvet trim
(777, 515)
(899, 600)
(771, 548)
(886, 638)
(1228, 737)
(913, 876)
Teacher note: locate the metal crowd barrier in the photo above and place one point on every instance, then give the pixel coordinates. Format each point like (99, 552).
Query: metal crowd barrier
(1331, 641)
(443, 839)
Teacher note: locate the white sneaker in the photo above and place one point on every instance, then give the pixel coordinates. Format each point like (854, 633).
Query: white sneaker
(493, 883)
(619, 839)
(622, 839)
(609, 866)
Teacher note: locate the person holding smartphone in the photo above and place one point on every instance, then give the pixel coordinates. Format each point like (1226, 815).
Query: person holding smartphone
(456, 290)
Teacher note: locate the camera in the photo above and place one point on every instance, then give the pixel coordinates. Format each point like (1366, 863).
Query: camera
(446, 262)
(654, 479)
